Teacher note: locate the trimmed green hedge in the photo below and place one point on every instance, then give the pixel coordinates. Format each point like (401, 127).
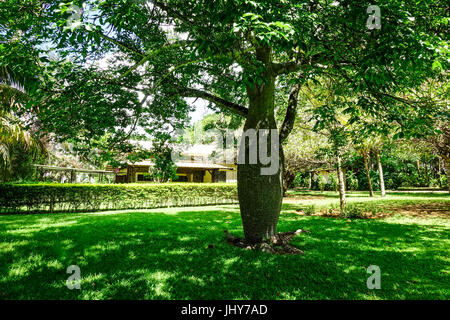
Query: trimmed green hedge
(33, 198)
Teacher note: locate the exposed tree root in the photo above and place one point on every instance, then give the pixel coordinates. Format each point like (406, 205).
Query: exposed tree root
(279, 244)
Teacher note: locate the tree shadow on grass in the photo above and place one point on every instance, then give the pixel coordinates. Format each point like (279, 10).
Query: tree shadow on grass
(165, 256)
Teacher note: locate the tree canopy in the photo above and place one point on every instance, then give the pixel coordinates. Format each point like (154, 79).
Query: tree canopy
(107, 67)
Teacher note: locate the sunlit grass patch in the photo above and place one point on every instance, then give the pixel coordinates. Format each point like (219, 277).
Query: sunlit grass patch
(165, 254)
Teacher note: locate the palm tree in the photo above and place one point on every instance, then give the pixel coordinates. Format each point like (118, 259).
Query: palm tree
(12, 134)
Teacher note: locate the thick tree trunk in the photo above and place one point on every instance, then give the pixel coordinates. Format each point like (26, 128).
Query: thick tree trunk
(260, 194)
(366, 166)
(341, 180)
(380, 172)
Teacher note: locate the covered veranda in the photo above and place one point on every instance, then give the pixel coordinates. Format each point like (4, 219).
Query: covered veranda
(73, 175)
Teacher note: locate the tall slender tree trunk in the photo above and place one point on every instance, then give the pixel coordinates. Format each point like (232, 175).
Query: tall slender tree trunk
(447, 172)
(341, 181)
(260, 195)
(366, 166)
(380, 172)
(418, 168)
(309, 180)
(288, 178)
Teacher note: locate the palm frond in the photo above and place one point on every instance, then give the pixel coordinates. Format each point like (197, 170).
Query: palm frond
(4, 154)
(10, 96)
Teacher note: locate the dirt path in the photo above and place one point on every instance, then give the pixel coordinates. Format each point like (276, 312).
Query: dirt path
(429, 210)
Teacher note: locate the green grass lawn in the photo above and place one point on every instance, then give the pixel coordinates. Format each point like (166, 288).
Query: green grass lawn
(327, 198)
(164, 254)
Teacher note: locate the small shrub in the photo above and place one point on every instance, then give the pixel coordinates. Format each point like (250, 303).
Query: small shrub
(352, 212)
(310, 210)
(389, 184)
(434, 183)
(321, 182)
(334, 183)
(444, 182)
(333, 207)
(352, 181)
(298, 180)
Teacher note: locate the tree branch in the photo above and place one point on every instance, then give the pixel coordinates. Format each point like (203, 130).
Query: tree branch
(291, 112)
(292, 66)
(286, 67)
(175, 14)
(152, 54)
(119, 43)
(231, 106)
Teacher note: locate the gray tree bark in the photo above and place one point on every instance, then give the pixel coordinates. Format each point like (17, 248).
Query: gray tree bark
(341, 180)
(310, 181)
(366, 166)
(260, 196)
(447, 172)
(418, 168)
(380, 172)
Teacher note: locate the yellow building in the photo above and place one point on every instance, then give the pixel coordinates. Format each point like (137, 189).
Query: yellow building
(195, 165)
(187, 171)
